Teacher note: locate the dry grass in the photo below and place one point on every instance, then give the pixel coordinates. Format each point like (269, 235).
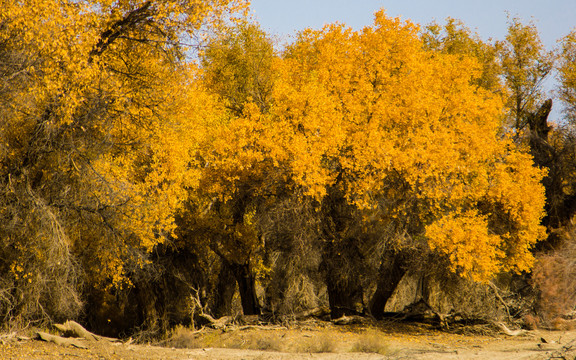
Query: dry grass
(554, 276)
(372, 341)
(183, 338)
(269, 342)
(321, 343)
(297, 340)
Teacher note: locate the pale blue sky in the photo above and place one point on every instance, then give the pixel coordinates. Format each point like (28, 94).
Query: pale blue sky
(554, 18)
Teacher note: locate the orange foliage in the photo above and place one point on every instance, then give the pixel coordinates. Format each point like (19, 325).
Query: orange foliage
(93, 127)
(402, 130)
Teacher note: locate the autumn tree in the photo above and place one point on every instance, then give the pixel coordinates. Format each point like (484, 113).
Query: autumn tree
(92, 162)
(376, 123)
(567, 72)
(526, 65)
(383, 134)
(455, 38)
(237, 67)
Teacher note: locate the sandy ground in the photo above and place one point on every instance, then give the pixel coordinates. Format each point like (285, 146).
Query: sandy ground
(396, 345)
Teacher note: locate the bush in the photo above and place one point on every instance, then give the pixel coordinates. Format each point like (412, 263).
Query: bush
(183, 338)
(371, 342)
(554, 276)
(323, 343)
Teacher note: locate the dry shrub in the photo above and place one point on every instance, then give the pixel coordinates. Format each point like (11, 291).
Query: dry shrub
(183, 338)
(450, 294)
(562, 324)
(323, 343)
(39, 276)
(554, 276)
(293, 252)
(371, 342)
(268, 342)
(531, 322)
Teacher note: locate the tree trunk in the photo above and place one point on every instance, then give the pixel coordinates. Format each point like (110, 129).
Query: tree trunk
(225, 289)
(247, 288)
(342, 261)
(344, 298)
(344, 286)
(391, 271)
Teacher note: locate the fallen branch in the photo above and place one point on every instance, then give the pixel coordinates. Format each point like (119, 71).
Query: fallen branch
(73, 329)
(318, 312)
(217, 324)
(509, 332)
(348, 320)
(261, 327)
(59, 340)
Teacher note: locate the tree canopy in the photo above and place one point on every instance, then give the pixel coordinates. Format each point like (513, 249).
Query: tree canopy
(130, 167)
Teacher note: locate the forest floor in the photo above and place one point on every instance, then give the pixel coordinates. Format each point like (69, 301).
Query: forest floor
(313, 341)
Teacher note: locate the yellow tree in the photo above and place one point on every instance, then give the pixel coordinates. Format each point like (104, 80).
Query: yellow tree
(237, 65)
(93, 161)
(526, 64)
(567, 72)
(371, 123)
(553, 145)
(455, 38)
(237, 68)
(379, 131)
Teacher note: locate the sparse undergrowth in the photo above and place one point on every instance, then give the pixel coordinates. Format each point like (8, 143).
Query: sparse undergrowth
(290, 340)
(321, 341)
(372, 341)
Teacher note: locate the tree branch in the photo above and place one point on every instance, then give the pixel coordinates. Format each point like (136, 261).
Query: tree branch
(119, 28)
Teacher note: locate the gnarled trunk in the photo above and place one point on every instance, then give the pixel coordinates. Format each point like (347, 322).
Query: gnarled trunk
(342, 261)
(344, 298)
(392, 270)
(225, 289)
(246, 288)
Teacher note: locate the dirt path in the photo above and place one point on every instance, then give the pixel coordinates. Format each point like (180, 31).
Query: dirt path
(425, 345)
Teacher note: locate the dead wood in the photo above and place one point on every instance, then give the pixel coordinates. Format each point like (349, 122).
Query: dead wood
(59, 340)
(262, 327)
(73, 329)
(249, 320)
(509, 332)
(217, 324)
(349, 320)
(499, 297)
(318, 312)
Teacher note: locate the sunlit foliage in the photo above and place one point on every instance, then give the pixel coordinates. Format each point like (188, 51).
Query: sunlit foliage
(455, 38)
(401, 130)
(567, 75)
(98, 121)
(113, 145)
(526, 64)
